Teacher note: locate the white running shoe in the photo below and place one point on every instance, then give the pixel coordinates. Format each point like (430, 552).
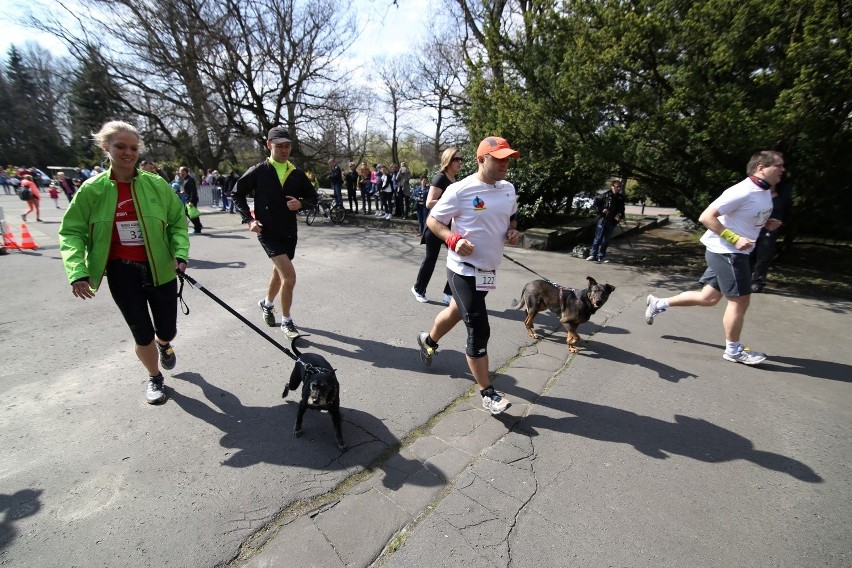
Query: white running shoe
(155, 393)
(493, 402)
(651, 311)
(446, 299)
(289, 329)
(745, 356)
(420, 297)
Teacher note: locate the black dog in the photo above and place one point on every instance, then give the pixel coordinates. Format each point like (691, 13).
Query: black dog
(320, 390)
(572, 307)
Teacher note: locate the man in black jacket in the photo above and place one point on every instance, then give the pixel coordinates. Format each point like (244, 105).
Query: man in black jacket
(280, 190)
(335, 180)
(610, 208)
(190, 190)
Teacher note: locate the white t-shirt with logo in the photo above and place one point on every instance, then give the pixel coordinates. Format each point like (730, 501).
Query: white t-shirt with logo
(745, 208)
(480, 213)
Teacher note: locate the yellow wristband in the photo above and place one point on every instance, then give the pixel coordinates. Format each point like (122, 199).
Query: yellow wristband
(730, 236)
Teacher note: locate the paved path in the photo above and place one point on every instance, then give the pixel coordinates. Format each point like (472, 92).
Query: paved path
(645, 449)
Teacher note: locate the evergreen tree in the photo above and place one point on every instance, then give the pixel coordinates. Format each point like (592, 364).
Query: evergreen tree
(93, 100)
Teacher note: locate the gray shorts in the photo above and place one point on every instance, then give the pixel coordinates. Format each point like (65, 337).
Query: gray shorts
(730, 273)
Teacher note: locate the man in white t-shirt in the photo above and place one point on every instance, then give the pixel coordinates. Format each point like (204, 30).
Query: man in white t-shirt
(483, 211)
(733, 222)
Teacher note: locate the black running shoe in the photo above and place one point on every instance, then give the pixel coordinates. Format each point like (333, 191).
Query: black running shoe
(167, 356)
(268, 315)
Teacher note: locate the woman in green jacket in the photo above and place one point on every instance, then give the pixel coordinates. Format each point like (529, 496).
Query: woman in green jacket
(130, 225)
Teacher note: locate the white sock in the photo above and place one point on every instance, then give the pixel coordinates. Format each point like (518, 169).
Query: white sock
(661, 304)
(268, 304)
(732, 347)
(286, 319)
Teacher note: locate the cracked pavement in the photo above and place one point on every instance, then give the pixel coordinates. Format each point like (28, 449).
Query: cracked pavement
(646, 449)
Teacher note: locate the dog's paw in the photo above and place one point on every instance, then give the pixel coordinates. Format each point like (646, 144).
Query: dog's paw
(573, 349)
(297, 433)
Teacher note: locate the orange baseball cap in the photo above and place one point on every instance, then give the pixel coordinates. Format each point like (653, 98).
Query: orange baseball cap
(497, 147)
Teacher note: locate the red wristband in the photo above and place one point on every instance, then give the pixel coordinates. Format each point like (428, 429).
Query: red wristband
(452, 241)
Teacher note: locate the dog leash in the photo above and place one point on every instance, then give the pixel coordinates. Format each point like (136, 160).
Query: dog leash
(531, 270)
(196, 284)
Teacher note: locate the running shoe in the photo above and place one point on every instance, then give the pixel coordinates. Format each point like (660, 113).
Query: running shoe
(420, 297)
(268, 315)
(155, 393)
(446, 299)
(167, 356)
(651, 311)
(289, 329)
(426, 352)
(493, 402)
(745, 356)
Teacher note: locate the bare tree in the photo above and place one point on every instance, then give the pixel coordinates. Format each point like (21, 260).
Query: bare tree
(201, 72)
(395, 96)
(437, 83)
(277, 66)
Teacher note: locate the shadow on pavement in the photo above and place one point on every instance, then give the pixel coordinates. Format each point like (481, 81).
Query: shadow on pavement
(210, 265)
(594, 349)
(16, 506)
(809, 367)
(690, 437)
(404, 358)
(265, 434)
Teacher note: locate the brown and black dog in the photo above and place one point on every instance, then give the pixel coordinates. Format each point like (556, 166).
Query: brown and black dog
(573, 307)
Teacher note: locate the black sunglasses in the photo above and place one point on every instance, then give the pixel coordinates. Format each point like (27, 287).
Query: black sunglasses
(457, 159)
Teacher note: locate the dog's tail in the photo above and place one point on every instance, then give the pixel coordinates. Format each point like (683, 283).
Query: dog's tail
(293, 347)
(517, 304)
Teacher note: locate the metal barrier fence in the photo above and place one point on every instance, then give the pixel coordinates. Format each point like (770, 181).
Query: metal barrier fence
(209, 195)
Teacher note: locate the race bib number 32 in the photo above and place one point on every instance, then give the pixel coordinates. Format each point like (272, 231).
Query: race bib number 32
(129, 233)
(486, 280)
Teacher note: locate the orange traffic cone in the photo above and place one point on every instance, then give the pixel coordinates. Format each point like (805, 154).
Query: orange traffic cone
(27, 241)
(9, 239)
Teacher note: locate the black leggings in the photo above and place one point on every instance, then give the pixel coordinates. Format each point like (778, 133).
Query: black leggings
(387, 202)
(433, 249)
(471, 304)
(353, 198)
(133, 291)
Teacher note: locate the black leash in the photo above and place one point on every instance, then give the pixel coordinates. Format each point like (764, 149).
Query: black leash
(506, 256)
(624, 233)
(195, 284)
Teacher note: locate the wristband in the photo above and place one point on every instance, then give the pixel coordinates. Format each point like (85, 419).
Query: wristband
(730, 236)
(452, 241)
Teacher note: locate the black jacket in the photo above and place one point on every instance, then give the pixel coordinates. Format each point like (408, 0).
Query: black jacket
(270, 203)
(190, 189)
(613, 203)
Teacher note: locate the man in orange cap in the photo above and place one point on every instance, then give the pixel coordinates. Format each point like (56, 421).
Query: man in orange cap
(483, 210)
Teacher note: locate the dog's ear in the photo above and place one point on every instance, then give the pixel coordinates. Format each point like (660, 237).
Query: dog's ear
(591, 280)
(609, 288)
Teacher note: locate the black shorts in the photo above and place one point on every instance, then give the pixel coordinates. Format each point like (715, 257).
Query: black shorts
(147, 309)
(730, 273)
(276, 245)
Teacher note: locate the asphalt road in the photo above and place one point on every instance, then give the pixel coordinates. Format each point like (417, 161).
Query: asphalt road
(92, 476)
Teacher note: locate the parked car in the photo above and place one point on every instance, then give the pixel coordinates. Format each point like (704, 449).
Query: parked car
(41, 178)
(582, 202)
